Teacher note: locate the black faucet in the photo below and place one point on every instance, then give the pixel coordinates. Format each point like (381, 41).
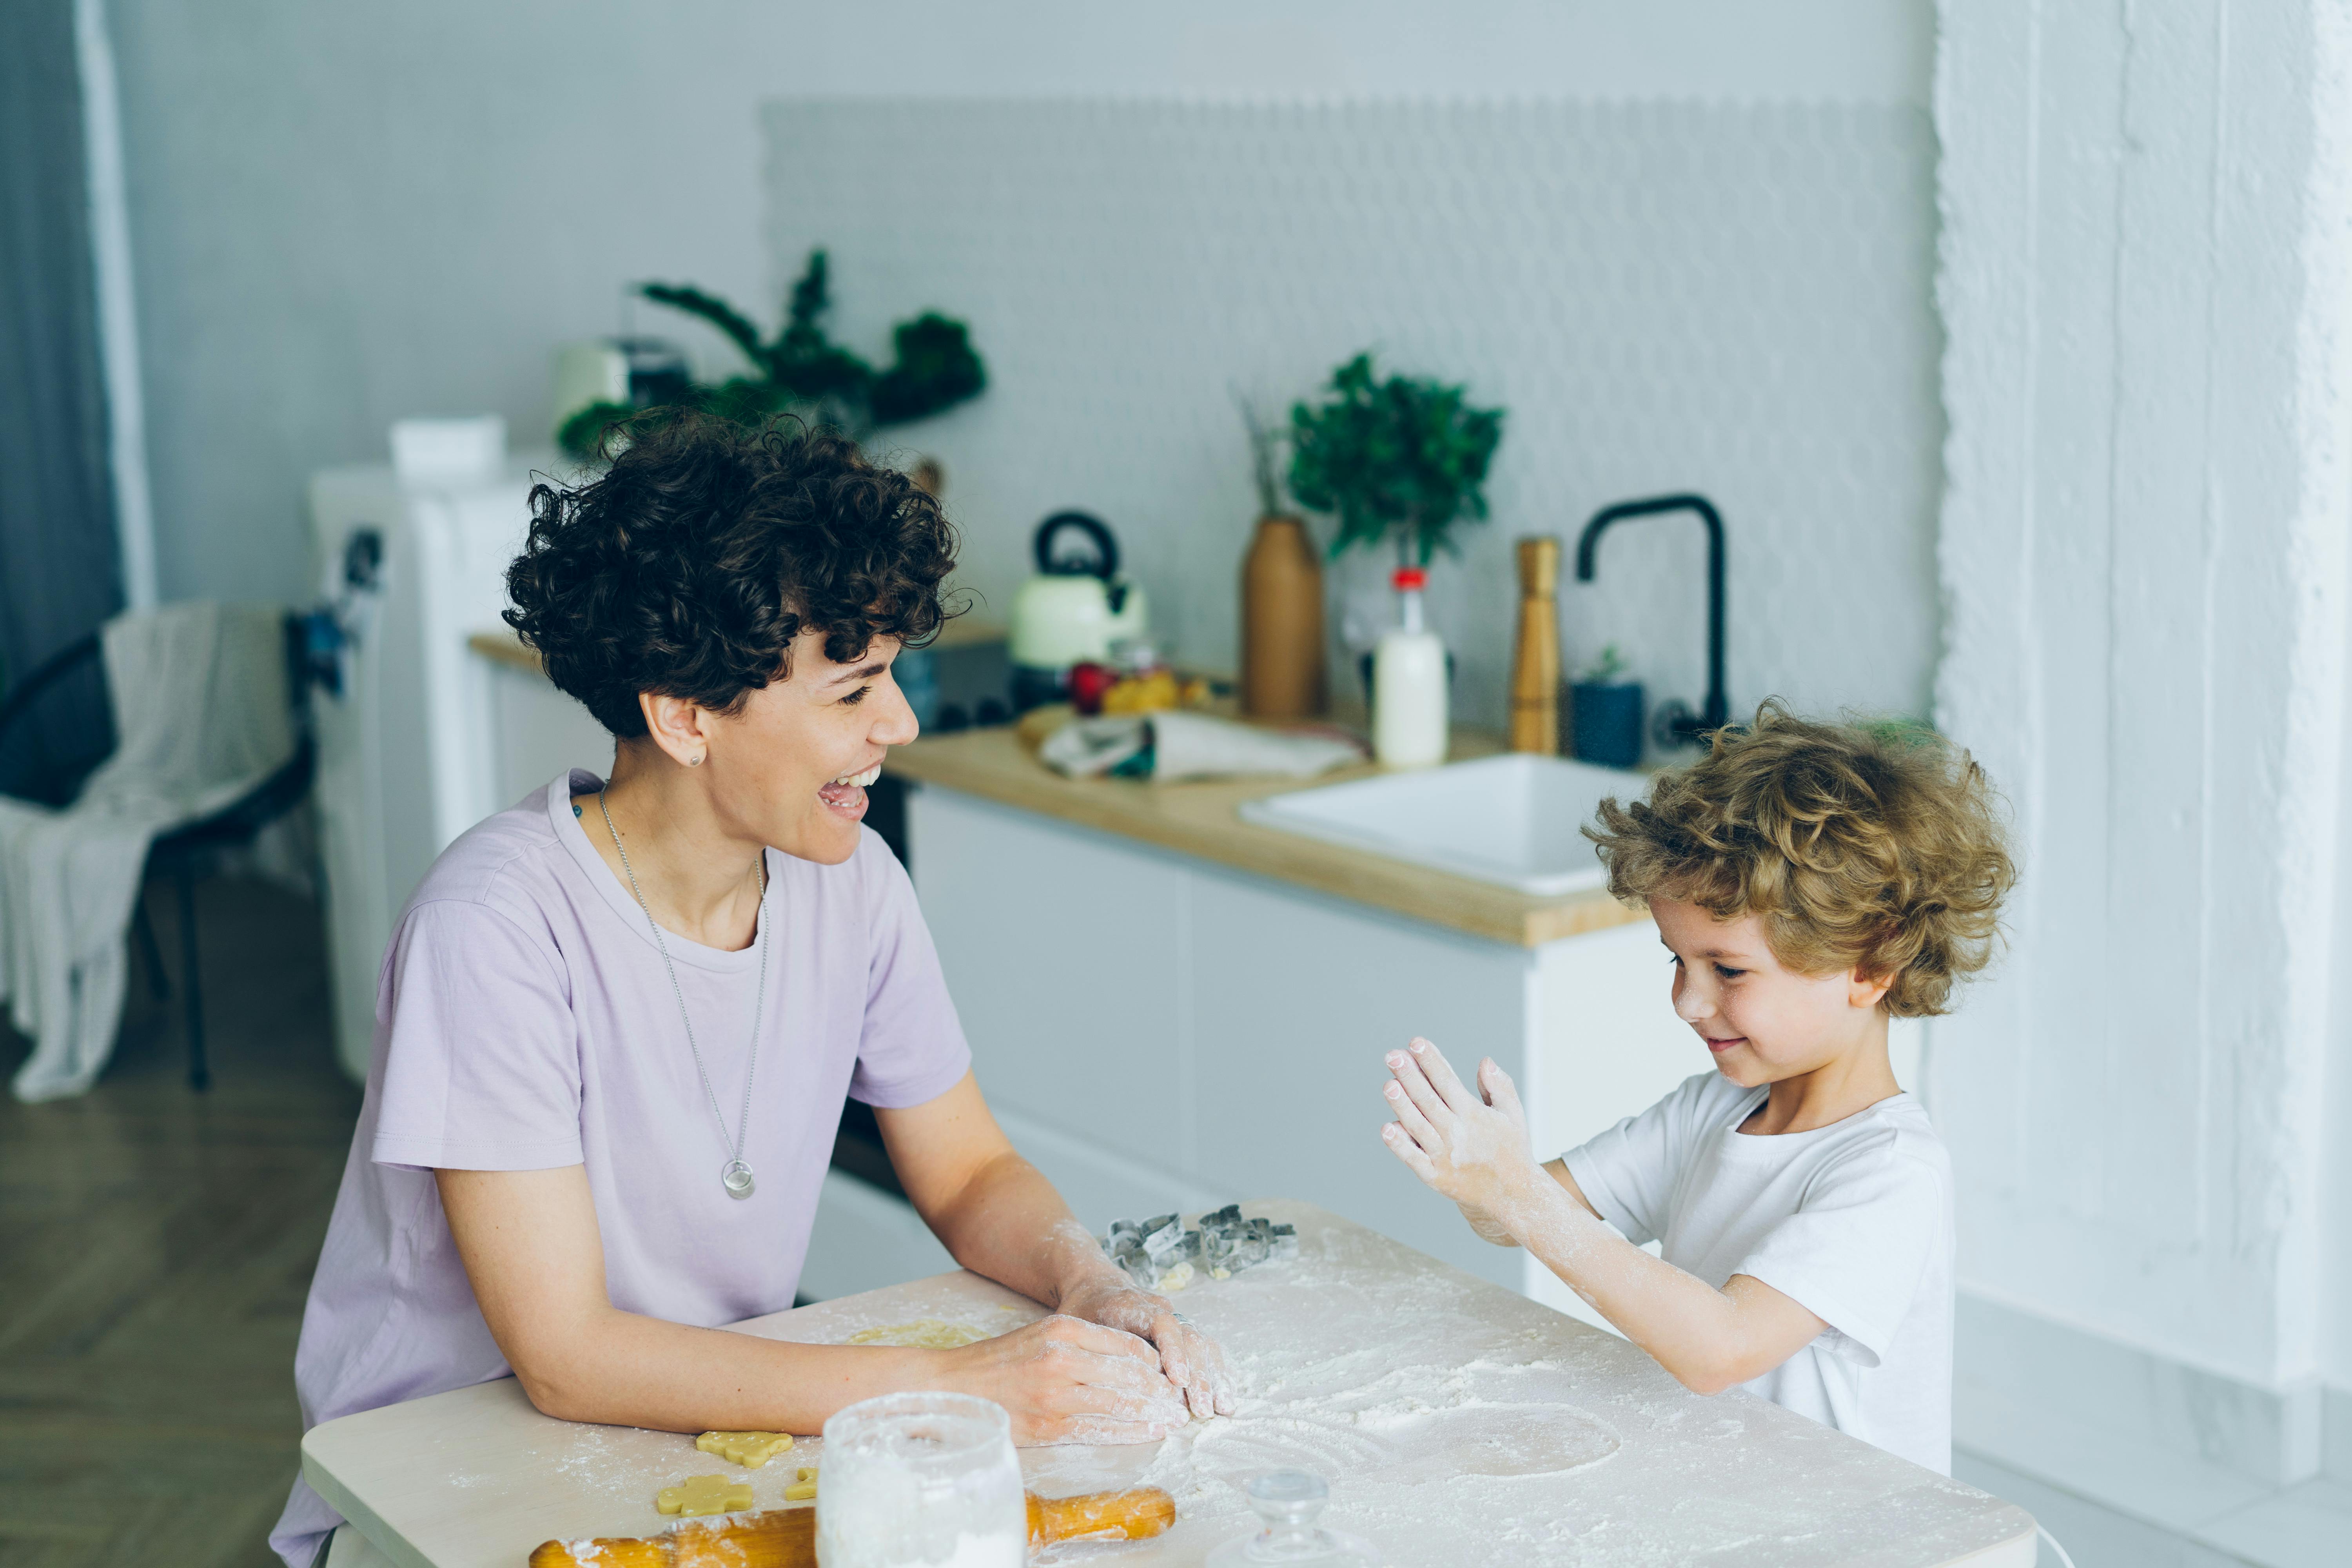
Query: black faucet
(1675, 724)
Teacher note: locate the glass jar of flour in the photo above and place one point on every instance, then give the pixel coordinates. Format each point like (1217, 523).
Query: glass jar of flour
(921, 1481)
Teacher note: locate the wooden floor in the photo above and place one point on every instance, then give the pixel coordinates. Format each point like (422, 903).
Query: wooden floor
(155, 1247)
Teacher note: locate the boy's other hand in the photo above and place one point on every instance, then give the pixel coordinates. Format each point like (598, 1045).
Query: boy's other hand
(1471, 1145)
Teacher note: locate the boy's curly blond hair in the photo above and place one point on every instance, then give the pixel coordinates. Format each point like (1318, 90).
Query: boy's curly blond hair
(1872, 847)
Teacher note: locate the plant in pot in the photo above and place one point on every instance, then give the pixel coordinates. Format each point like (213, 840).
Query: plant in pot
(803, 372)
(1606, 713)
(1282, 593)
(1403, 459)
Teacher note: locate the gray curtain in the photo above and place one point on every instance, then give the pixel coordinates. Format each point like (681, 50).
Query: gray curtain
(58, 574)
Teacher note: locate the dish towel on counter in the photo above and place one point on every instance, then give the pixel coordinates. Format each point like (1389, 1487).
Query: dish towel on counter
(1171, 744)
(201, 710)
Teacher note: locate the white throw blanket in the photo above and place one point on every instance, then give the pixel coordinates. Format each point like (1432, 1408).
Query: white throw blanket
(201, 713)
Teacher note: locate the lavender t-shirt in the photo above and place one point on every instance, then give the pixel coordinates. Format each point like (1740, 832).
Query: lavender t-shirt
(524, 1021)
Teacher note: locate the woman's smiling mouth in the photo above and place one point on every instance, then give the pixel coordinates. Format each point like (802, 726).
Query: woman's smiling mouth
(846, 794)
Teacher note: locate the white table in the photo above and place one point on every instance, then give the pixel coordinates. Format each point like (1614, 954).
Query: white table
(1458, 1422)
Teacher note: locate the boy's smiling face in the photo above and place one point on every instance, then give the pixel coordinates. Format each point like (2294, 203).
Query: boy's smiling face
(1762, 1022)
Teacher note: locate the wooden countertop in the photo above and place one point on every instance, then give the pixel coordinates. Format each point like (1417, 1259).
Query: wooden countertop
(1457, 1422)
(1204, 819)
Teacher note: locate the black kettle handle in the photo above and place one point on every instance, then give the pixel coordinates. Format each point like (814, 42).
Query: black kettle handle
(1094, 529)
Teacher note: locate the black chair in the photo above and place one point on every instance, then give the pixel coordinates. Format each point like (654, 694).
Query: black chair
(188, 850)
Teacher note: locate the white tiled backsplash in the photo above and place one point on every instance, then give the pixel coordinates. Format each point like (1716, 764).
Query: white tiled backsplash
(1663, 295)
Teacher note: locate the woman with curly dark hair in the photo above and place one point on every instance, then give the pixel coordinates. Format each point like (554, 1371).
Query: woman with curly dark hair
(617, 1021)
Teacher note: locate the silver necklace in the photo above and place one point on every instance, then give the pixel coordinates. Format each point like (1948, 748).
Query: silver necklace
(736, 1175)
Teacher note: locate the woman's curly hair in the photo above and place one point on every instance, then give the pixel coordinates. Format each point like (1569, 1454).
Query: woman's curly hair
(692, 563)
(1872, 847)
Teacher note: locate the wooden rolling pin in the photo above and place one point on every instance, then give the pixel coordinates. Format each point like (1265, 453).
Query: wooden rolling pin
(786, 1537)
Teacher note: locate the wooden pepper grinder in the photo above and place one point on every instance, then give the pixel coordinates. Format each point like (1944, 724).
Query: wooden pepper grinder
(1535, 657)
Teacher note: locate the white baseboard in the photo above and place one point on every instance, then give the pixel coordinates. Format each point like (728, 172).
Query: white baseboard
(2335, 1436)
(2108, 1418)
(2094, 1535)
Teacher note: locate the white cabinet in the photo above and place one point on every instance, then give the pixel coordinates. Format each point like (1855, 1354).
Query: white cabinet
(1157, 1031)
(865, 1239)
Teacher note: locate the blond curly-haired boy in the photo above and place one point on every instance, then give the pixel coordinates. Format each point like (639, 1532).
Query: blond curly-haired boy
(1809, 881)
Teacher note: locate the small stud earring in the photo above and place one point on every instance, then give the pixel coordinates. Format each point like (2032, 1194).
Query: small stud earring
(695, 762)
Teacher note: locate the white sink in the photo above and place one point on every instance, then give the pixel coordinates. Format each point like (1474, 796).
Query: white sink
(1511, 820)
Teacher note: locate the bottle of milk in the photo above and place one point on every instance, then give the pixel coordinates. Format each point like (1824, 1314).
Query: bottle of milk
(1409, 684)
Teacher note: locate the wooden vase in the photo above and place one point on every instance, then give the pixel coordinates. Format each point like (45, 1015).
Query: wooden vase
(1534, 658)
(1282, 623)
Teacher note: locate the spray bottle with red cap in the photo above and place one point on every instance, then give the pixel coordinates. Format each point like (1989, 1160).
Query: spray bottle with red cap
(1409, 727)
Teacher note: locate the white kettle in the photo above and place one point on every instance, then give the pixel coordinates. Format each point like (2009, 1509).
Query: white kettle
(1071, 612)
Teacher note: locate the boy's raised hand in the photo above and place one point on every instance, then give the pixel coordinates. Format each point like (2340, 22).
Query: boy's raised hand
(1471, 1145)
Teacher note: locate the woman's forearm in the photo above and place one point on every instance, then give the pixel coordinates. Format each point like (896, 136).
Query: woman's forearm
(621, 1369)
(999, 1218)
(532, 1254)
(1008, 1224)
(995, 1213)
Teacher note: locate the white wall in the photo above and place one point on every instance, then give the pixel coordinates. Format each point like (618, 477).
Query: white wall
(2336, 1210)
(344, 214)
(2145, 285)
(1732, 298)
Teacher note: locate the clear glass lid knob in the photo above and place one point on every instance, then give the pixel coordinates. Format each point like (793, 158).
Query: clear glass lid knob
(1289, 1501)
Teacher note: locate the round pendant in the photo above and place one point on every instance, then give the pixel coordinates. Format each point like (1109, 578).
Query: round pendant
(736, 1177)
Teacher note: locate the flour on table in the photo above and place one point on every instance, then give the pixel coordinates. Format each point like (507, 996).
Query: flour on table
(1420, 1451)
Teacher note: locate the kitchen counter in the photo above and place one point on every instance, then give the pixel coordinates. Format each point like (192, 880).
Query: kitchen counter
(1456, 1422)
(1203, 820)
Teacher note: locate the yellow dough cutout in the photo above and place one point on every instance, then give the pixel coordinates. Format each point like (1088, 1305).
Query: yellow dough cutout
(704, 1494)
(749, 1449)
(804, 1488)
(923, 1333)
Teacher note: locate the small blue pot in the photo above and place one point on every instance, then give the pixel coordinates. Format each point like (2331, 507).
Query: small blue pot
(1605, 722)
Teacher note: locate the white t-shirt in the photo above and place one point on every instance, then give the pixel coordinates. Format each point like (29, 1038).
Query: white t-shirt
(1854, 1221)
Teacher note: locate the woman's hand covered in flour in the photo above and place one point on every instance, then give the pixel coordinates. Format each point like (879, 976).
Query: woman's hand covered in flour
(1470, 1144)
(1065, 1380)
(1191, 1360)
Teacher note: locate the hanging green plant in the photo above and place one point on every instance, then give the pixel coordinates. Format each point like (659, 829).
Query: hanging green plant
(1406, 457)
(803, 370)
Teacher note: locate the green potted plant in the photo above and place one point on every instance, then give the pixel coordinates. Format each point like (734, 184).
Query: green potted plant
(805, 371)
(1405, 456)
